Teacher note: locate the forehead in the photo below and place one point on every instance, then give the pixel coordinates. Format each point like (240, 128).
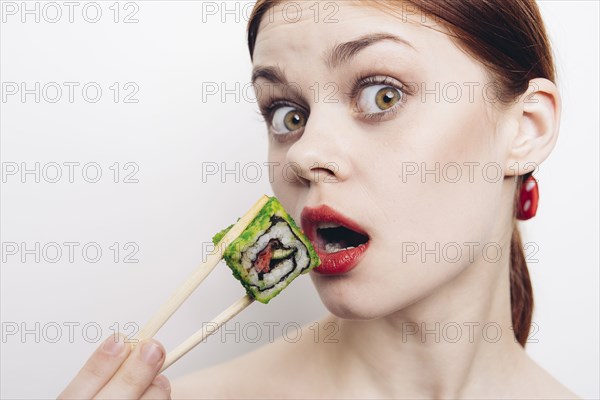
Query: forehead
(309, 27)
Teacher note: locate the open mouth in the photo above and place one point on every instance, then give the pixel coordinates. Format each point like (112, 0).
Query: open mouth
(339, 241)
(332, 238)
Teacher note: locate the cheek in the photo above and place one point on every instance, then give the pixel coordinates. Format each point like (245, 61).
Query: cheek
(432, 196)
(281, 178)
(437, 181)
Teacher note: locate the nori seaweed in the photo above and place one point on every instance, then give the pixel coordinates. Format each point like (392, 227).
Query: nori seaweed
(261, 222)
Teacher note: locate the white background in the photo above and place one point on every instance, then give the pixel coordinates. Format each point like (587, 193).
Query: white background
(172, 210)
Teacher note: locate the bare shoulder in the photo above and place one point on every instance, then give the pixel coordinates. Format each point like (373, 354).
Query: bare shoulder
(539, 383)
(228, 379)
(209, 383)
(243, 377)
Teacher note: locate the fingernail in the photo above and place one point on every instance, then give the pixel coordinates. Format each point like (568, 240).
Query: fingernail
(162, 382)
(151, 353)
(114, 345)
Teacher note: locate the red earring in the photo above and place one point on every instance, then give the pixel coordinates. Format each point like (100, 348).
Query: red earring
(528, 199)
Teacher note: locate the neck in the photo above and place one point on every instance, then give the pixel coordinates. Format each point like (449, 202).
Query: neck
(443, 346)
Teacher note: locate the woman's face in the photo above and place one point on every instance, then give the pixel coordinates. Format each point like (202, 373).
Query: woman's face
(400, 138)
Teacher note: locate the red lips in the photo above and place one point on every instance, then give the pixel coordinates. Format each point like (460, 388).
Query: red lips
(341, 261)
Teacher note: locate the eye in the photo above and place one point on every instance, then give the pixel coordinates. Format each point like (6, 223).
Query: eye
(287, 119)
(376, 99)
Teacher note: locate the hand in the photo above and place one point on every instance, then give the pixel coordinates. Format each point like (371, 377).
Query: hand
(115, 371)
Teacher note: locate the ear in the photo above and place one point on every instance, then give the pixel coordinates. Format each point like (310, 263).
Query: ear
(537, 114)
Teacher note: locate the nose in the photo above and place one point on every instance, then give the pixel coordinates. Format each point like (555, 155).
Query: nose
(321, 154)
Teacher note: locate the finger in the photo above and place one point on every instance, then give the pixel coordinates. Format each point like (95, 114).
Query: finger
(137, 372)
(98, 369)
(159, 390)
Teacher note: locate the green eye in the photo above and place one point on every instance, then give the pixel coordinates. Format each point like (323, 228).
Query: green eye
(287, 119)
(378, 98)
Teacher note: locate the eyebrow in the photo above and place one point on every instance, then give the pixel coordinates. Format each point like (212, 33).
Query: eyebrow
(340, 54)
(271, 74)
(344, 52)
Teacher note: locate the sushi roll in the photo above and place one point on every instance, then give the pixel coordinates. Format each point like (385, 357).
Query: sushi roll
(270, 253)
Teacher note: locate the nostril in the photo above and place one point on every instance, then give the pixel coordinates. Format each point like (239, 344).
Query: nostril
(325, 175)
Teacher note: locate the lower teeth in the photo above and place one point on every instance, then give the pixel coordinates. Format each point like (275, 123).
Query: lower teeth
(335, 247)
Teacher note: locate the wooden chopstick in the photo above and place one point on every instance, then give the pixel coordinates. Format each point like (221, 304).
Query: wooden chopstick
(206, 331)
(178, 298)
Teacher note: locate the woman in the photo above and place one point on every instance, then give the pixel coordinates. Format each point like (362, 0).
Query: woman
(415, 125)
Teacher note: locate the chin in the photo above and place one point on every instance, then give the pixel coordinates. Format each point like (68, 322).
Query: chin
(347, 297)
(362, 295)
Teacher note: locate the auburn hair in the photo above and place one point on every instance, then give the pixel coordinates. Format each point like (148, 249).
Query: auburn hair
(509, 38)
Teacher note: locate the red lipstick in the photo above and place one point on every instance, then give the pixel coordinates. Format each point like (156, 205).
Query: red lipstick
(339, 241)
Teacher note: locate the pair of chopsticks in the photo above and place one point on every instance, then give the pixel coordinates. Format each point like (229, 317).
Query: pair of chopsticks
(187, 288)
